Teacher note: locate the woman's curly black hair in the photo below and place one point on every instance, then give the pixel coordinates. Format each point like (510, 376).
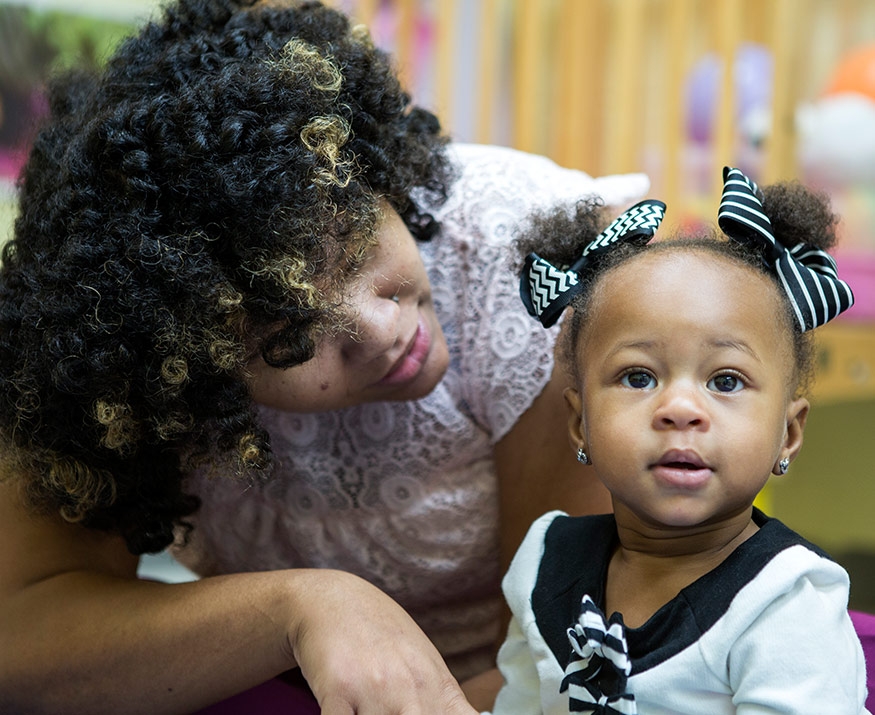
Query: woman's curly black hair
(197, 202)
(559, 235)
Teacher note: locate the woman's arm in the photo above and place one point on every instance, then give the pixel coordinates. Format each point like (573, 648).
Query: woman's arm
(81, 634)
(538, 470)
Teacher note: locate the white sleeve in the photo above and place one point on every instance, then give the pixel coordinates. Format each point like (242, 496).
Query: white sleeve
(530, 671)
(823, 670)
(520, 694)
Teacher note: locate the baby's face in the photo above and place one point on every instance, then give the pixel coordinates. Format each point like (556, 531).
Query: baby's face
(685, 396)
(394, 350)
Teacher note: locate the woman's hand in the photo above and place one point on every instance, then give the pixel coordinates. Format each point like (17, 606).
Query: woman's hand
(362, 653)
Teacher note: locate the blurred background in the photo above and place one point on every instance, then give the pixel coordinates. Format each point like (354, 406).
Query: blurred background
(784, 89)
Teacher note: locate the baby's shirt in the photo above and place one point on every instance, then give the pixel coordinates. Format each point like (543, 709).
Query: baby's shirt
(767, 631)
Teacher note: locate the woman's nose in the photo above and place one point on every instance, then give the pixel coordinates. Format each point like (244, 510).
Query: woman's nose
(377, 326)
(681, 406)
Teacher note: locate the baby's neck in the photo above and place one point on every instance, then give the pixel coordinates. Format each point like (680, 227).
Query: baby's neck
(651, 566)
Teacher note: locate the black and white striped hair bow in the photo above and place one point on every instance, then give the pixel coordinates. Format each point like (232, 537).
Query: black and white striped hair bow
(599, 667)
(547, 290)
(807, 274)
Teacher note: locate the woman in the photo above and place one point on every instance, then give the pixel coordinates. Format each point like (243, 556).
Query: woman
(216, 328)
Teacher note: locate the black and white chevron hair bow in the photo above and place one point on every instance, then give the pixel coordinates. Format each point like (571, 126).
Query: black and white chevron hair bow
(599, 667)
(807, 274)
(546, 290)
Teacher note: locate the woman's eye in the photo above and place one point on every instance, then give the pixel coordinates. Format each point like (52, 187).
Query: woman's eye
(638, 380)
(725, 383)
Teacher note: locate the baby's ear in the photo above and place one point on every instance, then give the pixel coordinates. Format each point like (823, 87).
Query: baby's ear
(575, 419)
(797, 414)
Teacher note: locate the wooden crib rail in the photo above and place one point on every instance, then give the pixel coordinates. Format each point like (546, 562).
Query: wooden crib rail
(602, 85)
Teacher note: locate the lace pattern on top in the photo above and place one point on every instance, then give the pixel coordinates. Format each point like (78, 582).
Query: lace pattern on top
(404, 493)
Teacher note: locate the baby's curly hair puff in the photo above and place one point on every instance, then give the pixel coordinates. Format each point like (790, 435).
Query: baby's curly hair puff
(199, 201)
(797, 214)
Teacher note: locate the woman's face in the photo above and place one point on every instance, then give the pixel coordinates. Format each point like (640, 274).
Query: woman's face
(395, 349)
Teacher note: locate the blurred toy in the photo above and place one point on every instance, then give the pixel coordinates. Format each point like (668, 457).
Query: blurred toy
(837, 131)
(855, 74)
(837, 140)
(836, 144)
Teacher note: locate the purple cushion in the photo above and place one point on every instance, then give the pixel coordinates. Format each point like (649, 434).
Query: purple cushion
(864, 624)
(274, 696)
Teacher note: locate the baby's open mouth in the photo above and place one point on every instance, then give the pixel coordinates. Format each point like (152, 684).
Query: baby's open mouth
(681, 459)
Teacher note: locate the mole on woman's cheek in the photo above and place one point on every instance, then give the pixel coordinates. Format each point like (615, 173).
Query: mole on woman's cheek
(324, 386)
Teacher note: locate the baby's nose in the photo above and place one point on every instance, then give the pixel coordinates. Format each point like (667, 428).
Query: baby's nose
(681, 407)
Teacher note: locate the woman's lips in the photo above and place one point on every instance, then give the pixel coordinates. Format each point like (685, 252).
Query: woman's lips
(409, 366)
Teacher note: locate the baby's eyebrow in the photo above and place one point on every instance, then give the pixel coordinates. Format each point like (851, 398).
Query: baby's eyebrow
(719, 343)
(643, 345)
(639, 344)
(735, 345)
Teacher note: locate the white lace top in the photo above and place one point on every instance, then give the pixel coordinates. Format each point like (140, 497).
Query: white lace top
(404, 493)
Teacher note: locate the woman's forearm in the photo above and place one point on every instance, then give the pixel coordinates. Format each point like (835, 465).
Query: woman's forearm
(87, 642)
(80, 633)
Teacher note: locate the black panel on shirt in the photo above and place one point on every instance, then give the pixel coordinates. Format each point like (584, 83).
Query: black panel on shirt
(577, 551)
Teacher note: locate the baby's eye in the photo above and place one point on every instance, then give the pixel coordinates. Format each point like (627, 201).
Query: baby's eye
(725, 383)
(638, 380)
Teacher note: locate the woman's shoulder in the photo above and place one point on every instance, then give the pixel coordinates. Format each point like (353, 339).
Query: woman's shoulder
(496, 189)
(538, 178)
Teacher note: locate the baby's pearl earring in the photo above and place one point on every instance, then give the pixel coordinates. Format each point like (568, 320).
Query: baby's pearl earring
(784, 465)
(582, 456)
